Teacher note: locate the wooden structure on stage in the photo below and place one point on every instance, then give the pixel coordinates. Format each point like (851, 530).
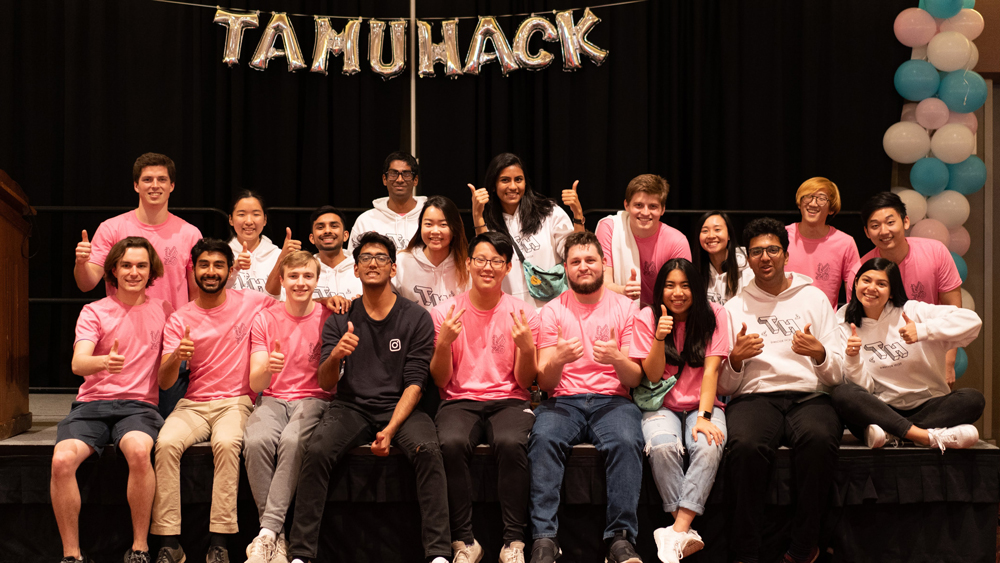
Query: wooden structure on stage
(14, 231)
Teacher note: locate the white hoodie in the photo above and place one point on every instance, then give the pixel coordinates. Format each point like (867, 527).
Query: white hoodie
(384, 221)
(776, 318)
(717, 280)
(420, 281)
(543, 249)
(339, 280)
(262, 261)
(907, 375)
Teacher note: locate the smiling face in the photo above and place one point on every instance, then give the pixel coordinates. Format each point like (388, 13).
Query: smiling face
(371, 273)
(211, 272)
(400, 188)
(487, 278)
(584, 269)
(132, 270)
(815, 207)
(872, 290)
(766, 268)
(300, 282)
(886, 229)
(434, 230)
(644, 211)
(248, 220)
(510, 187)
(328, 233)
(154, 186)
(714, 236)
(677, 294)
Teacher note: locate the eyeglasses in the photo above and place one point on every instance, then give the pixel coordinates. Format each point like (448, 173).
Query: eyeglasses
(818, 198)
(480, 262)
(757, 251)
(393, 174)
(381, 259)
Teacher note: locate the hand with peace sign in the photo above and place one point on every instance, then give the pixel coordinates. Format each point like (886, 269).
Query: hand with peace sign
(451, 327)
(186, 348)
(572, 200)
(83, 249)
(480, 197)
(114, 362)
(633, 287)
(607, 351)
(805, 344)
(909, 330)
(567, 351)
(746, 346)
(665, 325)
(276, 360)
(242, 259)
(854, 342)
(521, 333)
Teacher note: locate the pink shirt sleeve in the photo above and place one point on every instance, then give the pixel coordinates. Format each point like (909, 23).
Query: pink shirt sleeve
(605, 231)
(104, 238)
(172, 334)
(631, 310)
(88, 326)
(258, 333)
(852, 262)
(946, 272)
(720, 338)
(548, 326)
(679, 247)
(642, 335)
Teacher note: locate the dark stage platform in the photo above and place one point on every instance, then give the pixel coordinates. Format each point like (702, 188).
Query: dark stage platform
(905, 504)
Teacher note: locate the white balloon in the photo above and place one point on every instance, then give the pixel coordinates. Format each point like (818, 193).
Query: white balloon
(949, 50)
(974, 58)
(916, 204)
(953, 143)
(906, 142)
(967, 301)
(949, 207)
(967, 22)
(897, 189)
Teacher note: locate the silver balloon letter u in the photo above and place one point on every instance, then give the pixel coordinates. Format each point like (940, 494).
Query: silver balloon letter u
(329, 42)
(397, 29)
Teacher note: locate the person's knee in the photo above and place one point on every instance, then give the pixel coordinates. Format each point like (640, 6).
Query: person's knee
(136, 452)
(227, 446)
(64, 464)
(427, 450)
(742, 449)
(510, 445)
(665, 447)
(167, 448)
(974, 400)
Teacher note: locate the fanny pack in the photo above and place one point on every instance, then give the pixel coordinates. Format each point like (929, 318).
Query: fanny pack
(544, 285)
(649, 396)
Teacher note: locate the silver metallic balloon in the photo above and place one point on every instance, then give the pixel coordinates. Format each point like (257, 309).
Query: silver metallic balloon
(530, 26)
(489, 30)
(329, 42)
(574, 39)
(397, 30)
(446, 52)
(235, 25)
(278, 26)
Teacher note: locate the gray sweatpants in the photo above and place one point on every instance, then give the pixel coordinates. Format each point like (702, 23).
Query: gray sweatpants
(274, 442)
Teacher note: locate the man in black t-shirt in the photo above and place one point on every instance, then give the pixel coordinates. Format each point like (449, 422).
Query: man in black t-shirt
(377, 356)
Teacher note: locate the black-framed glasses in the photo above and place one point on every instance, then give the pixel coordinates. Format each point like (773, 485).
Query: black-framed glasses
(480, 262)
(772, 251)
(818, 198)
(380, 259)
(393, 174)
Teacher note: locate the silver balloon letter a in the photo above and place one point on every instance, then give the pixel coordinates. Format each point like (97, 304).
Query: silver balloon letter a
(397, 30)
(278, 26)
(235, 25)
(489, 30)
(445, 52)
(530, 26)
(574, 39)
(329, 42)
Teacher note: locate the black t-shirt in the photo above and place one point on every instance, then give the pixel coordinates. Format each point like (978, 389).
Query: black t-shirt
(392, 354)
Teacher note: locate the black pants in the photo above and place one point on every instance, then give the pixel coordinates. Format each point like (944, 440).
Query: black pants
(346, 425)
(504, 425)
(759, 423)
(859, 408)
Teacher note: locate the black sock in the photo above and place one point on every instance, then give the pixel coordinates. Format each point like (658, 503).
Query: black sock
(173, 542)
(218, 540)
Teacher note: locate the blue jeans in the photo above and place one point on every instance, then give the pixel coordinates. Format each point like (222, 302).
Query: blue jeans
(667, 433)
(612, 424)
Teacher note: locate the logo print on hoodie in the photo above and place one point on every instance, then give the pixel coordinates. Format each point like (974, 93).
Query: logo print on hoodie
(778, 326)
(918, 292)
(894, 351)
(428, 297)
(499, 343)
(527, 243)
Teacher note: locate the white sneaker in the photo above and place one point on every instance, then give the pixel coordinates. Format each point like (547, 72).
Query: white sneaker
(513, 553)
(260, 550)
(465, 553)
(672, 546)
(694, 543)
(280, 551)
(957, 437)
(439, 560)
(875, 437)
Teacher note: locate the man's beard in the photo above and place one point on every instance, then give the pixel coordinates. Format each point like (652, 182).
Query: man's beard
(587, 288)
(220, 287)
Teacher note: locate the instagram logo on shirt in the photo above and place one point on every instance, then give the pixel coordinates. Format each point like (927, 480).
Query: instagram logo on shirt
(169, 257)
(395, 345)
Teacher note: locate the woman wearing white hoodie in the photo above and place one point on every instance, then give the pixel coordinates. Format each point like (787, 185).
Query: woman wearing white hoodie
(255, 254)
(895, 365)
(433, 266)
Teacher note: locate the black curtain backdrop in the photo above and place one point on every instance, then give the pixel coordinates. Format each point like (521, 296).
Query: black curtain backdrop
(735, 102)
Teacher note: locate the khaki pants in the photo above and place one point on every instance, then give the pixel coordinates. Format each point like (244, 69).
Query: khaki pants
(192, 422)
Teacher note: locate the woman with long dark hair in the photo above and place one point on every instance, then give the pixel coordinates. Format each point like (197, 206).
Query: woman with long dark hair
(895, 365)
(537, 225)
(255, 254)
(680, 342)
(721, 261)
(433, 267)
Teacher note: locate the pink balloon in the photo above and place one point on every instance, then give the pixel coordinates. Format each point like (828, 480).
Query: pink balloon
(960, 240)
(914, 27)
(932, 113)
(968, 22)
(909, 112)
(967, 119)
(933, 229)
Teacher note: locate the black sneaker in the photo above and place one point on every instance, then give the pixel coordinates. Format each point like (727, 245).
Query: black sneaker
(137, 557)
(545, 550)
(217, 554)
(170, 555)
(83, 559)
(621, 550)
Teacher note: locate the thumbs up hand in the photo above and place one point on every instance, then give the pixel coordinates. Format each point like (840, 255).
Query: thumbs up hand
(290, 245)
(572, 200)
(607, 351)
(186, 348)
(114, 362)
(805, 344)
(568, 351)
(665, 325)
(909, 330)
(83, 249)
(276, 360)
(746, 346)
(480, 197)
(243, 259)
(348, 342)
(633, 287)
(853, 343)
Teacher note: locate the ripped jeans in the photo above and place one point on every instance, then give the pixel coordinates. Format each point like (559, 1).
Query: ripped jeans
(667, 434)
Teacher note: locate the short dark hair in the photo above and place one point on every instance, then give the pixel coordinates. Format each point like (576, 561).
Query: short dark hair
(371, 237)
(882, 200)
(855, 311)
(211, 245)
(247, 194)
(118, 250)
(323, 210)
(765, 226)
(500, 242)
(153, 159)
(581, 238)
(405, 157)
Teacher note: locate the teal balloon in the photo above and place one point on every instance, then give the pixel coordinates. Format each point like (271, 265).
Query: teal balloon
(963, 91)
(916, 80)
(922, 4)
(963, 268)
(967, 177)
(944, 9)
(961, 362)
(969, 4)
(929, 176)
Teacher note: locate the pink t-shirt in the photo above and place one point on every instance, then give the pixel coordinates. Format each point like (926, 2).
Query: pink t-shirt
(172, 240)
(220, 367)
(301, 340)
(686, 393)
(482, 357)
(588, 323)
(927, 270)
(828, 260)
(139, 331)
(654, 252)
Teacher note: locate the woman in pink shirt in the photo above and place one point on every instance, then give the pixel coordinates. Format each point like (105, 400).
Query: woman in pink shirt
(678, 398)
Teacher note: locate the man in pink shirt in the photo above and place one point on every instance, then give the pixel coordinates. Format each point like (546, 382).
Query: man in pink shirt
(284, 362)
(211, 333)
(634, 241)
(116, 351)
(584, 366)
(927, 268)
(484, 363)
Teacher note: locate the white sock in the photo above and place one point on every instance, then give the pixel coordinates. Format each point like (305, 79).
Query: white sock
(265, 533)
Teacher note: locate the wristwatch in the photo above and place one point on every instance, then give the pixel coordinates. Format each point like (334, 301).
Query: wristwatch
(707, 415)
